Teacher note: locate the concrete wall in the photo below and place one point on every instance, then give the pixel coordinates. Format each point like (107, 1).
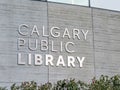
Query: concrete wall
(12, 14)
(101, 47)
(106, 41)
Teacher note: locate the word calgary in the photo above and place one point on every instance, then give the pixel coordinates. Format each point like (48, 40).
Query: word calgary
(55, 40)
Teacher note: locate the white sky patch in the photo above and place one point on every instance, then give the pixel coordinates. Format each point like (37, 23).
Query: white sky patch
(106, 4)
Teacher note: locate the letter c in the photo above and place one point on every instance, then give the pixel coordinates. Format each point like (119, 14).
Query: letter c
(20, 27)
(66, 47)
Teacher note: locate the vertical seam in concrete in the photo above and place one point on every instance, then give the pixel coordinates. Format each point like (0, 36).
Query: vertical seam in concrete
(93, 41)
(48, 37)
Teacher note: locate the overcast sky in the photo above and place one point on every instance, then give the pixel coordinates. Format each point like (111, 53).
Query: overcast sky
(107, 4)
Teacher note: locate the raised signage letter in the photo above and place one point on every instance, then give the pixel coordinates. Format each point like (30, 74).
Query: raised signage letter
(71, 61)
(35, 30)
(56, 34)
(20, 62)
(81, 61)
(20, 27)
(49, 60)
(85, 33)
(60, 61)
(67, 49)
(38, 59)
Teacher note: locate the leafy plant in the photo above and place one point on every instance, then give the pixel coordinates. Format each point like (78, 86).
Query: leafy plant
(103, 83)
(25, 86)
(3, 88)
(46, 86)
(66, 85)
(106, 83)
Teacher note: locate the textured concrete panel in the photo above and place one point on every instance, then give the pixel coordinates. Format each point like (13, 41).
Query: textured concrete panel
(68, 16)
(107, 42)
(101, 48)
(12, 14)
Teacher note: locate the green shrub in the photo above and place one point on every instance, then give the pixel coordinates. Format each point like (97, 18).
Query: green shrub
(46, 86)
(103, 83)
(3, 88)
(106, 83)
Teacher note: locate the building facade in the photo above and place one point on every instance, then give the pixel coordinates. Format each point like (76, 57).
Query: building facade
(45, 41)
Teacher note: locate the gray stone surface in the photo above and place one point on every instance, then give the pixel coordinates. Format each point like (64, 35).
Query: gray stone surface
(73, 17)
(107, 42)
(101, 48)
(12, 14)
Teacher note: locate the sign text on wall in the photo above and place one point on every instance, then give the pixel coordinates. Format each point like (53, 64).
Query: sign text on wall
(30, 40)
